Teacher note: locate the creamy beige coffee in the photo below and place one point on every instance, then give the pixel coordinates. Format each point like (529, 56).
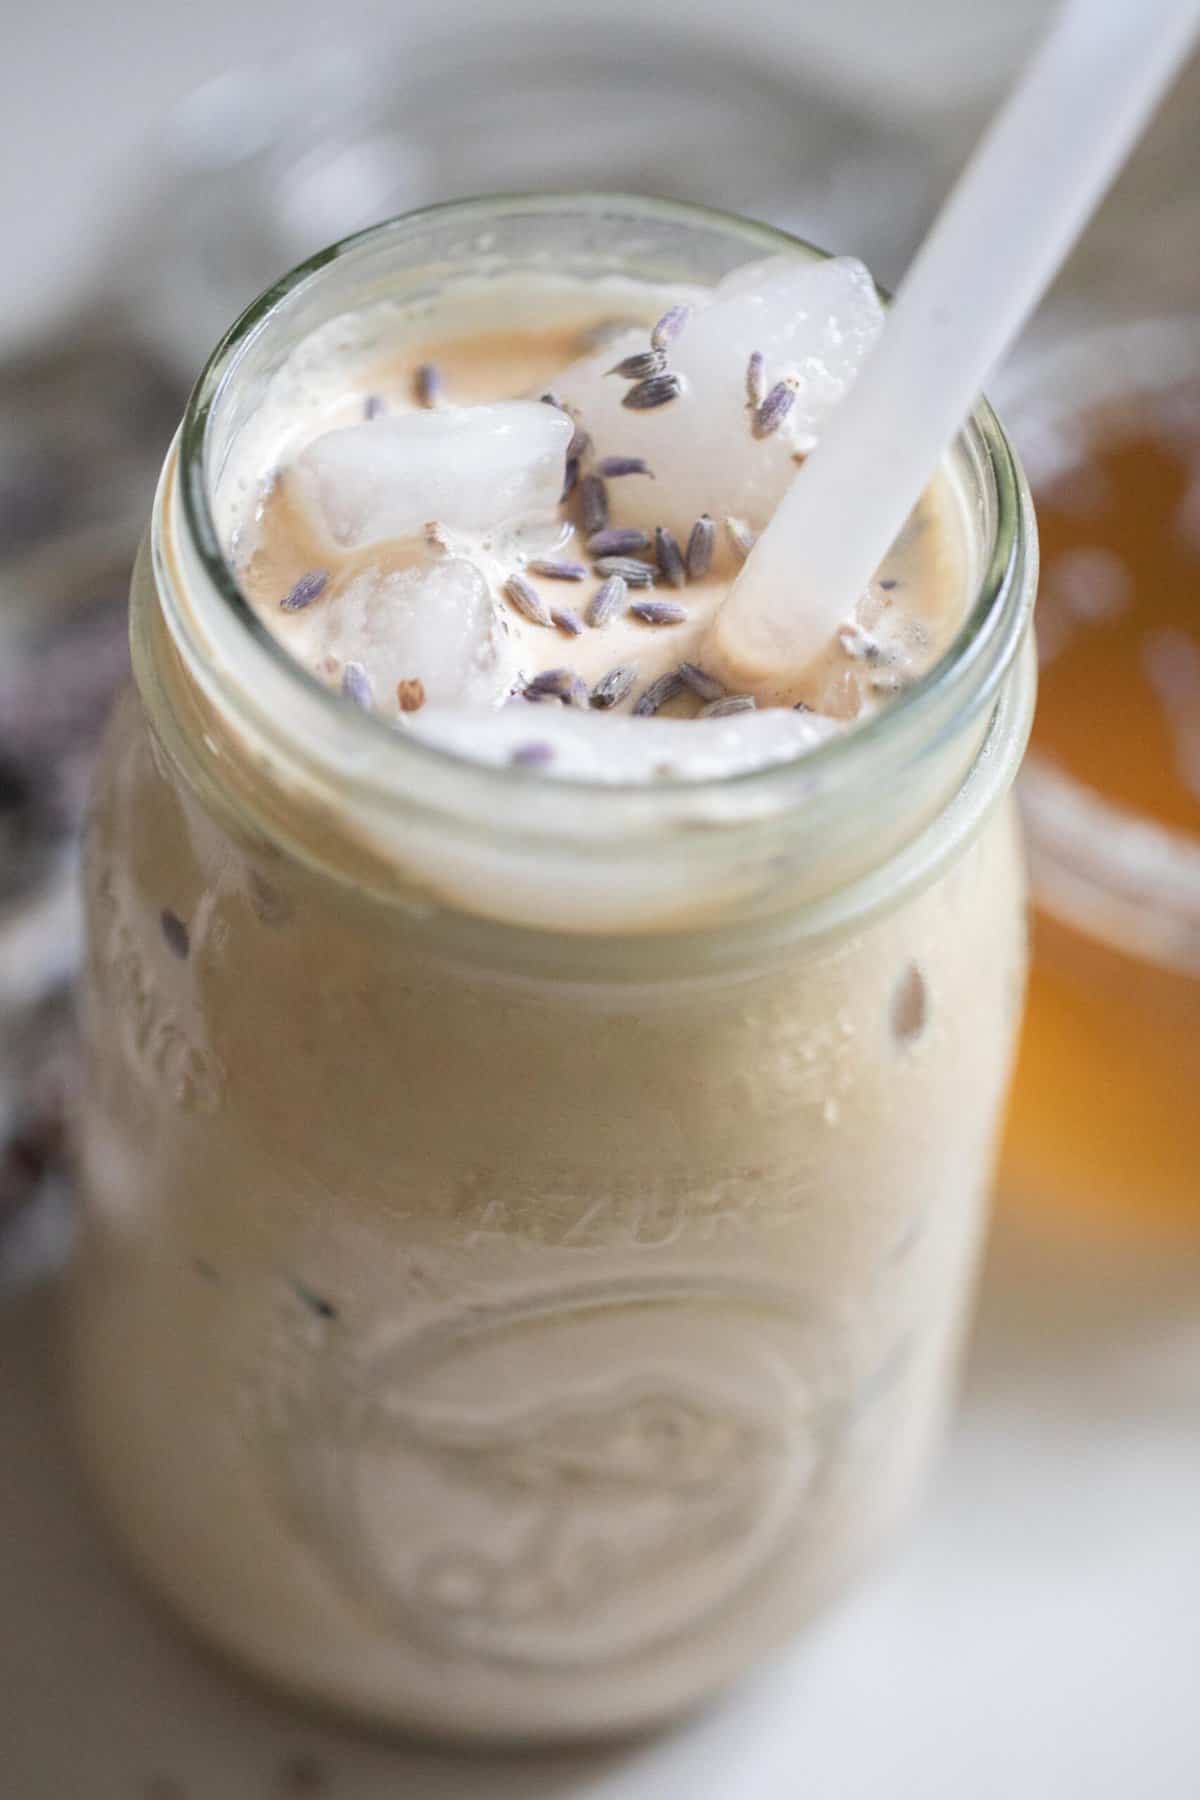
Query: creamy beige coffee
(505, 473)
(535, 1140)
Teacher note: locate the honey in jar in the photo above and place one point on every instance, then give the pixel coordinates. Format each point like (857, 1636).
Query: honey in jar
(1105, 1110)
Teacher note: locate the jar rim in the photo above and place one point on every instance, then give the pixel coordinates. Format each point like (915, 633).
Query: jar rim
(958, 687)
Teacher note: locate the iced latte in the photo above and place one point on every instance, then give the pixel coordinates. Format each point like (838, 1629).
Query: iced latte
(541, 1100)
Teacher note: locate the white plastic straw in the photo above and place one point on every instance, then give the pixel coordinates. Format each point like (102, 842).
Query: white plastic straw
(1036, 176)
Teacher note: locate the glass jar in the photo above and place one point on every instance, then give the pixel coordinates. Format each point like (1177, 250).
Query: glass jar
(528, 1223)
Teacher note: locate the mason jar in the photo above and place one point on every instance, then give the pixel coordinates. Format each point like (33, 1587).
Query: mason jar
(529, 1222)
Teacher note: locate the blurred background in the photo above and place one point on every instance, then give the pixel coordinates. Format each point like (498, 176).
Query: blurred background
(158, 166)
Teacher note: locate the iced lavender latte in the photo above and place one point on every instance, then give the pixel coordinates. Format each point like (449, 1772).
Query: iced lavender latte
(541, 1093)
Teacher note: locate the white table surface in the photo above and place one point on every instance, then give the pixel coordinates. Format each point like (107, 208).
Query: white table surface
(1038, 1638)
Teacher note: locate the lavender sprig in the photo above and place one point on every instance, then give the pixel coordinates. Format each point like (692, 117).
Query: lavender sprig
(555, 569)
(429, 389)
(356, 685)
(639, 366)
(309, 588)
(658, 693)
(658, 612)
(633, 572)
(774, 409)
(593, 504)
(700, 548)
(568, 620)
(658, 390)
(617, 540)
(727, 705)
(612, 688)
(669, 558)
(610, 598)
(612, 466)
(705, 686)
(668, 328)
(533, 755)
(527, 600)
(756, 380)
(550, 681)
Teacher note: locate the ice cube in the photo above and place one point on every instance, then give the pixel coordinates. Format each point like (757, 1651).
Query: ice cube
(435, 623)
(472, 468)
(813, 322)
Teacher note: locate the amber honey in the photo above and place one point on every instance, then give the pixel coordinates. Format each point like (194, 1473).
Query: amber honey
(1106, 1105)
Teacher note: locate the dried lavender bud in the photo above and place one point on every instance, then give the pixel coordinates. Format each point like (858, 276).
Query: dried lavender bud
(669, 558)
(669, 326)
(640, 365)
(550, 681)
(578, 694)
(534, 755)
(570, 477)
(556, 570)
(727, 704)
(635, 573)
(580, 444)
(774, 409)
(356, 685)
(410, 694)
(658, 693)
(740, 536)
(910, 1005)
(593, 504)
(536, 699)
(316, 1303)
(612, 688)
(373, 406)
(175, 932)
(307, 589)
(612, 466)
(700, 548)
(429, 389)
(610, 598)
(568, 620)
(656, 391)
(527, 600)
(617, 540)
(658, 612)
(702, 684)
(756, 380)
(889, 584)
